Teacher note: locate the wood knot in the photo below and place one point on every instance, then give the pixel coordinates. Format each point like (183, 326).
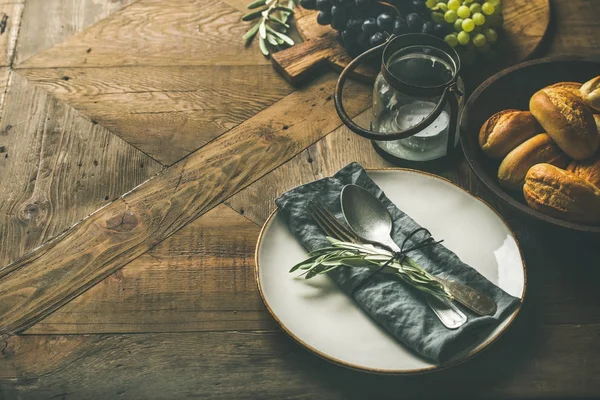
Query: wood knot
(7, 350)
(123, 222)
(33, 211)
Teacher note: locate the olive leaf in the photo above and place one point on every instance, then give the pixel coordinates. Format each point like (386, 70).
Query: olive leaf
(253, 15)
(263, 46)
(256, 4)
(248, 36)
(271, 39)
(282, 8)
(262, 30)
(272, 24)
(283, 37)
(278, 21)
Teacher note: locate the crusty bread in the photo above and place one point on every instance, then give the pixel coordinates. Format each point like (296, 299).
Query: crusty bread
(573, 87)
(562, 194)
(587, 169)
(568, 121)
(505, 130)
(539, 149)
(590, 93)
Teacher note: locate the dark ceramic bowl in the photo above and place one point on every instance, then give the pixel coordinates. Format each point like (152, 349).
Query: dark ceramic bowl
(512, 88)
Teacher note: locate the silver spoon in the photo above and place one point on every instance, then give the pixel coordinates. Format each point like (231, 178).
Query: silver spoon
(371, 221)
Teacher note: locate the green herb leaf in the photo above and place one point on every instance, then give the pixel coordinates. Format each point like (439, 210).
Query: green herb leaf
(271, 39)
(262, 30)
(285, 9)
(283, 37)
(263, 46)
(248, 36)
(277, 21)
(253, 15)
(256, 4)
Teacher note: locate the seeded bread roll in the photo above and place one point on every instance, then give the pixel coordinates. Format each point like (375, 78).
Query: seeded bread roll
(590, 93)
(588, 169)
(568, 121)
(539, 149)
(572, 87)
(505, 130)
(562, 194)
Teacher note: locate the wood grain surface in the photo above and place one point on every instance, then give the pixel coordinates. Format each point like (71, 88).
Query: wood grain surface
(153, 295)
(10, 13)
(253, 365)
(57, 167)
(46, 23)
(163, 110)
(157, 33)
(199, 279)
(126, 228)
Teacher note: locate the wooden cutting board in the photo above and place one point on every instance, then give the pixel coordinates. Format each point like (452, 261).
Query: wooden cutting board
(525, 24)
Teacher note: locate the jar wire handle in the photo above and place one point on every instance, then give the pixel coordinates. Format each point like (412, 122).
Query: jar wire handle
(347, 120)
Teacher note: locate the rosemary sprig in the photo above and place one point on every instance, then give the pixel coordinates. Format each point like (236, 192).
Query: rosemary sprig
(271, 24)
(347, 254)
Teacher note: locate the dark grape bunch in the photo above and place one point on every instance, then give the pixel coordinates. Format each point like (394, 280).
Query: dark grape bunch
(363, 24)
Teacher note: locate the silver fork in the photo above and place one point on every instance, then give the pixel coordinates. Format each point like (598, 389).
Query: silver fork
(444, 309)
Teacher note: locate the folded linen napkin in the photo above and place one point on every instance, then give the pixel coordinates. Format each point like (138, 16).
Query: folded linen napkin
(397, 306)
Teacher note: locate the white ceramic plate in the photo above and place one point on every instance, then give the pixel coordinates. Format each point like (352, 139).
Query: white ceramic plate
(326, 321)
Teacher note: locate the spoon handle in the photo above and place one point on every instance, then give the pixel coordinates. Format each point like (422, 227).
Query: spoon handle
(473, 299)
(448, 314)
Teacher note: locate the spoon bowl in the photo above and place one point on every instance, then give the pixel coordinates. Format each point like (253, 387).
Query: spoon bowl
(367, 217)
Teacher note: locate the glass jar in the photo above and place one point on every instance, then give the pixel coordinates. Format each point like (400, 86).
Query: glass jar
(417, 98)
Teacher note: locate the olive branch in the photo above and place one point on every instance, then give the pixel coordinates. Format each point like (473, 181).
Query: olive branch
(271, 26)
(354, 255)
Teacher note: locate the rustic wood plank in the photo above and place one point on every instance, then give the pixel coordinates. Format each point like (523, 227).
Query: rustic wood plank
(53, 274)
(167, 112)
(11, 11)
(200, 279)
(46, 23)
(157, 33)
(527, 362)
(240, 5)
(56, 167)
(574, 28)
(256, 202)
(5, 73)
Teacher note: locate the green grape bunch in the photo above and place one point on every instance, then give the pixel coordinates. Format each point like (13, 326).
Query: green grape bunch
(474, 25)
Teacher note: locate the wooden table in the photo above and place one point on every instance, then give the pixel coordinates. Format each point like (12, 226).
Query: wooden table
(141, 149)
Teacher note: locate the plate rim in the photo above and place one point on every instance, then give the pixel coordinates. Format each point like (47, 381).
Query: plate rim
(379, 371)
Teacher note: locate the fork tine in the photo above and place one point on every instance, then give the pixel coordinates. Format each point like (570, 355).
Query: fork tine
(322, 223)
(334, 221)
(333, 227)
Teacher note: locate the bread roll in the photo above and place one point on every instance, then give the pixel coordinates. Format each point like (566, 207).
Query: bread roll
(590, 93)
(539, 149)
(588, 169)
(505, 130)
(572, 87)
(568, 121)
(562, 194)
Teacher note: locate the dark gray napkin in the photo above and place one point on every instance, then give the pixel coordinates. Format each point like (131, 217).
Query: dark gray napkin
(401, 309)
